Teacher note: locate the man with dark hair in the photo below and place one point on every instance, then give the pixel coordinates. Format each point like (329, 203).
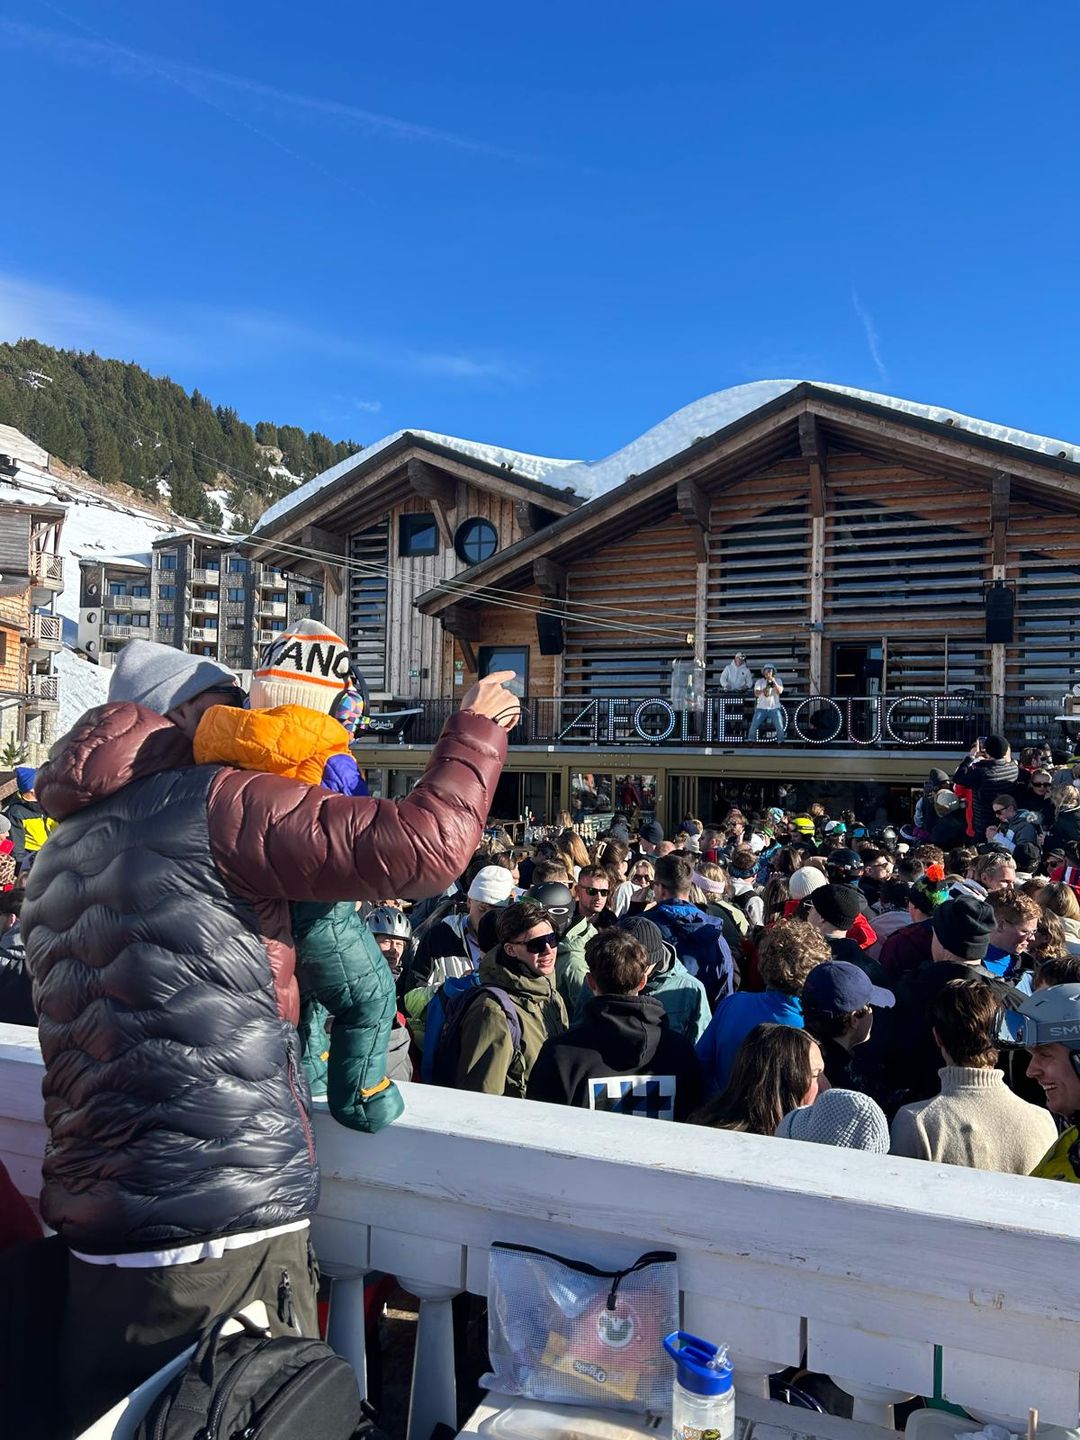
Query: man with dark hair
(976, 1120)
(698, 938)
(838, 1003)
(877, 868)
(591, 892)
(834, 912)
(521, 973)
(622, 1056)
(987, 770)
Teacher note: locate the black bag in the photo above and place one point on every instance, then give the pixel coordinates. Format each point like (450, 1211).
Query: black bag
(248, 1386)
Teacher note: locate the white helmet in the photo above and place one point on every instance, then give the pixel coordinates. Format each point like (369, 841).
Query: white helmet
(1049, 1017)
(389, 920)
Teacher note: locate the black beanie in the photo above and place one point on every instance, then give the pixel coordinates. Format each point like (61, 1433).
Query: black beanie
(963, 926)
(836, 904)
(1027, 857)
(652, 831)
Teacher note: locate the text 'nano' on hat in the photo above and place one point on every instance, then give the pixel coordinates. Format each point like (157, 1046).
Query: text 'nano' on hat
(305, 665)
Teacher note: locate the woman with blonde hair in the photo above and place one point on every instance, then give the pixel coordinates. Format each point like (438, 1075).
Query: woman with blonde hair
(573, 850)
(613, 856)
(1066, 825)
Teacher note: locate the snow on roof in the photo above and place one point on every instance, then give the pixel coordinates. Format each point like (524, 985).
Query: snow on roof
(713, 412)
(532, 467)
(20, 447)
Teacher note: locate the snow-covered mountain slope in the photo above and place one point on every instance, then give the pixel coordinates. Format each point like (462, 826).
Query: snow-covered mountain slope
(97, 526)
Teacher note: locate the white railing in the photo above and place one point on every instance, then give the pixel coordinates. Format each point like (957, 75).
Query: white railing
(871, 1269)
(204, 607)
(47, 570)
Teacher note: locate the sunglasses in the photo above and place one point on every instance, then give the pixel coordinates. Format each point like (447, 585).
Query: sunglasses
(539, 944)
(592, 890)
(1040, 784)
(638, 875)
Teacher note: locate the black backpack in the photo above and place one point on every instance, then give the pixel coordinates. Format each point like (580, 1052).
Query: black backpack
(247, 1386)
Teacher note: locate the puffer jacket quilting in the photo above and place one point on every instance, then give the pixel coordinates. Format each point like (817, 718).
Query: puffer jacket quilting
(174, 1093)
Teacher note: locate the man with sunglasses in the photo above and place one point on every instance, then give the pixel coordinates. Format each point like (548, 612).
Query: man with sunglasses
(518, 976)
(181, 1173)
(591, 892)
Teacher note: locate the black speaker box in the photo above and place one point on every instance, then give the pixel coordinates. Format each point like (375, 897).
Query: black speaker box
(1000, 603)
(549, 632)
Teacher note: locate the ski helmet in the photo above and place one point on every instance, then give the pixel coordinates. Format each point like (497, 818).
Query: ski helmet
(1049, 1017)
(389, 920)
(556, 900)
(843, 866)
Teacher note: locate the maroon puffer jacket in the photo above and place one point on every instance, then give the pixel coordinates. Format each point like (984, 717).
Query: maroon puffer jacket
(157, 932)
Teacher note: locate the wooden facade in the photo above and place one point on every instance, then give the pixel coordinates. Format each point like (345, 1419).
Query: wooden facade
(853, 553)
(372, 590)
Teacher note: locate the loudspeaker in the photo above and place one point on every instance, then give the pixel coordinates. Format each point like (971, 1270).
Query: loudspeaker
(549, 633)
(1000, 603)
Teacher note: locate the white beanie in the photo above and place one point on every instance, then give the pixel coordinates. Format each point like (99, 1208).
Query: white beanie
(805, 881)
(308, 665)
(493, 885)
(162, 677)
(839, 1117)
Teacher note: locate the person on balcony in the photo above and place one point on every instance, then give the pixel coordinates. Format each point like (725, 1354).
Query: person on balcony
(987, 770)
(976, 1120)
(623, 1056)
(522, 970)
(767, 706)
(736, 677)
(181, 1171)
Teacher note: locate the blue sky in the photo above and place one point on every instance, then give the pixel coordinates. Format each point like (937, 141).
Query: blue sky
(549, 226)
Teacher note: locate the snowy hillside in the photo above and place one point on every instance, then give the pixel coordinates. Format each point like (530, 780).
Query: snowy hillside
(96, 526)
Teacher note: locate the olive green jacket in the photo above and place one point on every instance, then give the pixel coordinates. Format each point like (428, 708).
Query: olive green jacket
(488, 1062)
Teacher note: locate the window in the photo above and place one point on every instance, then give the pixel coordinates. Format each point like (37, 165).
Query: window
(141, 592)
(235, 622)
(278, 625)
(236, 596)
(166, 620)
(140, 622)
(210, 595)
(237, 566)
(305, 597)
(476, 540)
(279, 598)
(115, 617)
(117, 587)
(167, 560)
(166, 592)
(418, 535)
(506, 657)
(209, 622)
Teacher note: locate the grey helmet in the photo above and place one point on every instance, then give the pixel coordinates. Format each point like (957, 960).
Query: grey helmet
(389, 920)
(556, 900)
(1049, 1017)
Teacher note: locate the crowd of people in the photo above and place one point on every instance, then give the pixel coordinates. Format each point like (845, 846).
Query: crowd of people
(789, 974)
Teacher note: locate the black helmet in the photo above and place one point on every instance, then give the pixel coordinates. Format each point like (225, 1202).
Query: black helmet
(843, 866)
(556, 900)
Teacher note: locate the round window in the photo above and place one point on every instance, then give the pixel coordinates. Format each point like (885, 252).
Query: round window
(476, 540)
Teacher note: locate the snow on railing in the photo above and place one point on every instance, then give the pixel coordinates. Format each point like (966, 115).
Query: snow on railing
(882, 1272)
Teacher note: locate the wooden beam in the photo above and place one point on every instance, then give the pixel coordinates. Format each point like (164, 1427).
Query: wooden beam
(432, 484)
(463, 625)
(550, 578)
(532, 517)
(812, 446)
(1000, 493)
(693, 505)
(326, 542)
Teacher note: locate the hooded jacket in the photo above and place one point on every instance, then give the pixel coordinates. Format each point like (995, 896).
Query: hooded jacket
(157, 932)
(699, 943)
(622, 1039)
(570, 966)
(488, 1062)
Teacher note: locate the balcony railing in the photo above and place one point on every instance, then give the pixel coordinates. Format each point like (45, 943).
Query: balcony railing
(896, 1277)
(204, 607)
(46, 633)
(200, 576)
(46, 570)
(949, 721)
(118, 632)
(198, 632)
(45, 688)
(275, 611)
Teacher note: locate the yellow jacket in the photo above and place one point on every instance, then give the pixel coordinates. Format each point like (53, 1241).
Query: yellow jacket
(1057, 1164)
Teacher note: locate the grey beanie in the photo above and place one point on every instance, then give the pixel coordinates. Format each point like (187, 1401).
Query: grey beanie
(839, 1117)
(161, 677)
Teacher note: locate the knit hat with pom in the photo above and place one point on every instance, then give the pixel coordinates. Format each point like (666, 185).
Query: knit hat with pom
(307, 665)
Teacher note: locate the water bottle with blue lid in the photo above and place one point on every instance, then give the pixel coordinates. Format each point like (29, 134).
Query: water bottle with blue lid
(703, 1395)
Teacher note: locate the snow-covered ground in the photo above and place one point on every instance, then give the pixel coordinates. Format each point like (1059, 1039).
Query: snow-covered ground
(97, 527)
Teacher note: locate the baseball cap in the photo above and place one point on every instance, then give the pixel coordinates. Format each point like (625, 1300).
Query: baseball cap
(836, 987)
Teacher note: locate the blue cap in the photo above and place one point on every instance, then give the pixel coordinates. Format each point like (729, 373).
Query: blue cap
(703, 1368)
(25, 778)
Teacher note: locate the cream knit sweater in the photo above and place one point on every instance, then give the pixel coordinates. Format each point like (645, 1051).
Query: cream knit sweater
(976, 1121)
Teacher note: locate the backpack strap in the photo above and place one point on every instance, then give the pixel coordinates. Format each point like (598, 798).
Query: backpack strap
(509, 1009)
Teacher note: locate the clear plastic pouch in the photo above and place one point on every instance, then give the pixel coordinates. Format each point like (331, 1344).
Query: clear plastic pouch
(569, 1333)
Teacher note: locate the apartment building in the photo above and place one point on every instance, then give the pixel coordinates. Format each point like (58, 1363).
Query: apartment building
(114, 605)
(31, 576)
(209, 598)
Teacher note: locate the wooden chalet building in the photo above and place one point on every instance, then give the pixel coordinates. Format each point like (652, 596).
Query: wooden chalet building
(913, 574)
(395, 521)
